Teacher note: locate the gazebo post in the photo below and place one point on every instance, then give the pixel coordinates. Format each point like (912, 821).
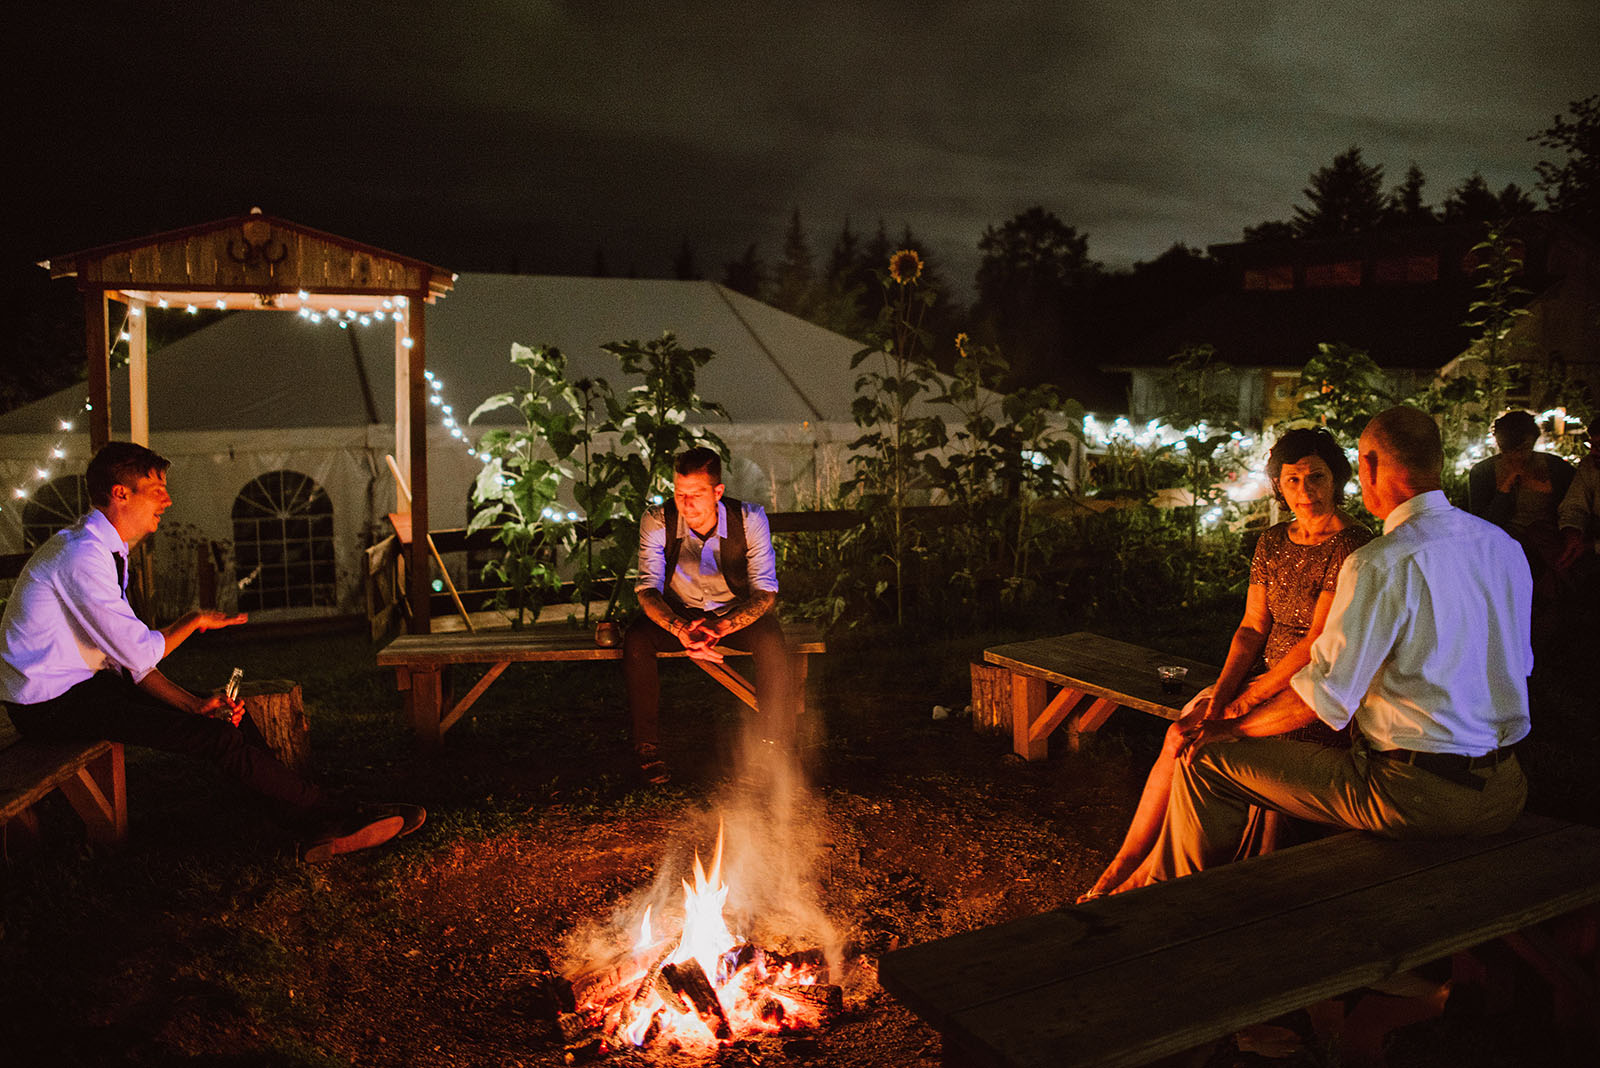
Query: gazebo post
(138, 375)
(97, 348)
(417, 570)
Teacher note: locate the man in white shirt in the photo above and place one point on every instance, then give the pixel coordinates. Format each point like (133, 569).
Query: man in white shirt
(707, 578)
(76, 663)
(1426, 648)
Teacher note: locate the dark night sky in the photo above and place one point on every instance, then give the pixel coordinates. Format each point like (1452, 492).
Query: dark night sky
(478, 133)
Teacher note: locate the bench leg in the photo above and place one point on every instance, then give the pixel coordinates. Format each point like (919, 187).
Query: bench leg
(424, 698)
(1089, 719)
(99, 795)
(1033, 718)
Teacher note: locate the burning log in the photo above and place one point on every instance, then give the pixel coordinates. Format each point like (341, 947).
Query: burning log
(828, 999)
(685, 983)
(647, 985)
(577, 1027)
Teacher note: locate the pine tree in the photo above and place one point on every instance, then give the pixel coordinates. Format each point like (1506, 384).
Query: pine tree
(792, 285)
(745, 275)
(1346, 198)
(1404, 206)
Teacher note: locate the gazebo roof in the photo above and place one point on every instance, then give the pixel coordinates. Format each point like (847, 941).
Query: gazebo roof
(253, 261)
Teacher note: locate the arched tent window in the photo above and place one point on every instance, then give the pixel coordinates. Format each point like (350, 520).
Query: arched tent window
(283, 543)
(56, 504)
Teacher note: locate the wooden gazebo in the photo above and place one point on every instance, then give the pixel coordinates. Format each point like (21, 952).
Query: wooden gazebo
(258, 262)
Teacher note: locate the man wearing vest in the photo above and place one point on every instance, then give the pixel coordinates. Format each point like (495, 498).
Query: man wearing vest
(707, 578)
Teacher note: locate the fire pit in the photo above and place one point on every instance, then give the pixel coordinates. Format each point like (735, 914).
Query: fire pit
(689, 983)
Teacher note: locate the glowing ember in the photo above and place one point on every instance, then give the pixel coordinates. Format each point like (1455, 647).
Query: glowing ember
(700, 988)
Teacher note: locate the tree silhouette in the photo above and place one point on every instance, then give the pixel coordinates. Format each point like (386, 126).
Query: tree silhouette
(1345, 198)
(794, 277)
(1031, 278)
(1404, 206)
(746, 275)
(1474, 201)
(1572, 187)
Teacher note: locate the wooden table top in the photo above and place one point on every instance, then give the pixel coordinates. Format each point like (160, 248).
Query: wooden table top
(1126, 979)
(1105, 667)
(537, 644)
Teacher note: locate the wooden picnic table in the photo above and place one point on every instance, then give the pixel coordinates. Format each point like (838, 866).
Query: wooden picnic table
(1096, 676)
(1124, 980)
(422, 664)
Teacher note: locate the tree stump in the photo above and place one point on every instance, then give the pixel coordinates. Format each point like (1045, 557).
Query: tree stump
(991, 699)
(274, 705)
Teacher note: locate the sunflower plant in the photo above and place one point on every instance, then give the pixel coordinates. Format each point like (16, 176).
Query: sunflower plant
(896, 444)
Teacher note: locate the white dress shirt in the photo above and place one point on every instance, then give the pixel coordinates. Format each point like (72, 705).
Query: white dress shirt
(1427, 645)
(697, 580)
(68, 617)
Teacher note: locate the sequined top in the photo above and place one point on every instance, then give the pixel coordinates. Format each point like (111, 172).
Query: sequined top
(1295, 575)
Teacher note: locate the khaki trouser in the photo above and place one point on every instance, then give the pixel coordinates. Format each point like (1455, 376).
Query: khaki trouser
(1212, 795)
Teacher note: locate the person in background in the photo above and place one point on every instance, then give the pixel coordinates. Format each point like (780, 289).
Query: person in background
(1292, 577)
(76, 663)
(1518, 490)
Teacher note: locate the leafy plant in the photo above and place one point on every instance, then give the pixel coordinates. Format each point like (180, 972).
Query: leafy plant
(1341, 388)
(887, 456)
(519, 485)
(651, 424)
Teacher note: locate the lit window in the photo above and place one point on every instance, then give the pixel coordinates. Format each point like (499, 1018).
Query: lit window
(283, 543)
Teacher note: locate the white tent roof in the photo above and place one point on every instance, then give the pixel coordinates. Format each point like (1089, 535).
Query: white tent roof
(261, 370)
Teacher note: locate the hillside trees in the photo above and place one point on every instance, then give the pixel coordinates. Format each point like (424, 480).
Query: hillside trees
(1572, 186)
(1033, 284)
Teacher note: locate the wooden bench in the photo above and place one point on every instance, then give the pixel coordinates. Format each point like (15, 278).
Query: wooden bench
(422, 665)
(1125, 980)
(1096, 676)
(89, 774)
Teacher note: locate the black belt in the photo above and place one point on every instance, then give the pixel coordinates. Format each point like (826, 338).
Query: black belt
(1453, 766)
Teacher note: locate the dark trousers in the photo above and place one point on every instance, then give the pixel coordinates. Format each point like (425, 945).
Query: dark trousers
(763, 639)
(108, 706)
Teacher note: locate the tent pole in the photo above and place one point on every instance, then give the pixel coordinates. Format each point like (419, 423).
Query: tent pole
(138, 375)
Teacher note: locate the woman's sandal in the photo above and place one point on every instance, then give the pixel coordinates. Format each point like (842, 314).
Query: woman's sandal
(1089, 895)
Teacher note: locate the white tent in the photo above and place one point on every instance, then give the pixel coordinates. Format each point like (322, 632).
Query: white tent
(267, 392)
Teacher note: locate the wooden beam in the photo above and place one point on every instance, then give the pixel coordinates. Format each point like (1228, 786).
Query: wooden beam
(97, 348)
(418, 437)
(138, 375)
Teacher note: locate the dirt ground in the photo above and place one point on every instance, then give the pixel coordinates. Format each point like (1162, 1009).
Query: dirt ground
(205, 942)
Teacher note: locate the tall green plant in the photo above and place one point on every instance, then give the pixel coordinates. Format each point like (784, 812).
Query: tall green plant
(651, 422)
(1341, 388)
(888, 455)
(517, 490)
(1010, 453)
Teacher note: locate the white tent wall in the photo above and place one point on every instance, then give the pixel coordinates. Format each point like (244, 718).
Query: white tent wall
(209, 469)
(263, 391)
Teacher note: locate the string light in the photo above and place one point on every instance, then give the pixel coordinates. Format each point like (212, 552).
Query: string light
(392, 307)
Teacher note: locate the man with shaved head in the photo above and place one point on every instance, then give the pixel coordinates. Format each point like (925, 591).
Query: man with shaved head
(1426, 649)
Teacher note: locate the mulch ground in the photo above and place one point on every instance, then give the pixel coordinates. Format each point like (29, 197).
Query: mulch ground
(205, 942)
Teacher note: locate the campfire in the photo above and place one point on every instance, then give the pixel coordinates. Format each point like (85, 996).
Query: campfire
(690, 983)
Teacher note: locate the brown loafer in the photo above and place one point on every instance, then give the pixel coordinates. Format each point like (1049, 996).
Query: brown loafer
(364, 832)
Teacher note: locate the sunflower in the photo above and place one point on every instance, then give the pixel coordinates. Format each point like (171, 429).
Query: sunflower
(905, 266)
(961, 344)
